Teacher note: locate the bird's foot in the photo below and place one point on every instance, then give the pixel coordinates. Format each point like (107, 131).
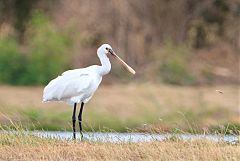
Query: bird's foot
(81, 136)
(74, 136)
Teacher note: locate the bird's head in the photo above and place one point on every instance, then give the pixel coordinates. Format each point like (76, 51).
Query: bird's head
(106, 49)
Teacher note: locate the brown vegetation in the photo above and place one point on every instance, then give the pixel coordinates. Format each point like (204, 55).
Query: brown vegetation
(166, 150)
(138, 30)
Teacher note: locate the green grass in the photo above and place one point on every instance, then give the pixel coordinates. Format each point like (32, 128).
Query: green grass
(188, 121)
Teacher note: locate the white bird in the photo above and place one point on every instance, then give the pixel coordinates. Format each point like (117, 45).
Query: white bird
(78, 86)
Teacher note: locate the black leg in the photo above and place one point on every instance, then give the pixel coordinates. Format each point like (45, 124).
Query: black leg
(74, 121)
(80, 119)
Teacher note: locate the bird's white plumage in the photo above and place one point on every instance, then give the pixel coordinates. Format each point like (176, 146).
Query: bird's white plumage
(79, 85)
(73, 86)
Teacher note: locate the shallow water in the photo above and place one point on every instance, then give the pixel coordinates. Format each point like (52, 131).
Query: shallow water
(133, 137)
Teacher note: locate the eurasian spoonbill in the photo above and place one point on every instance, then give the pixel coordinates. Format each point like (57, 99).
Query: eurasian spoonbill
(78, 86)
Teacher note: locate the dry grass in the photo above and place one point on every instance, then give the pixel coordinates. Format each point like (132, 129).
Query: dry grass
(132, 105)
(128, 104)
(167, 150)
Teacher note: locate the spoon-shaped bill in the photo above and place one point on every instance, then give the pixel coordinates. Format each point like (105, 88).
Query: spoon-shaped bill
(130, 69)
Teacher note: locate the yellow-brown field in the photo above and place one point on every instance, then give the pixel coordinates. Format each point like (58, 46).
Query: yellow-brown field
(32, 148)
(120, 107)
(144, 107)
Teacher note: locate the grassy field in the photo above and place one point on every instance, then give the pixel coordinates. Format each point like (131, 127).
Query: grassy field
(140, 107)
(27, 147)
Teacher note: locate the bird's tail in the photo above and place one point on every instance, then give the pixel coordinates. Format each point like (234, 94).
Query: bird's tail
(44, 100)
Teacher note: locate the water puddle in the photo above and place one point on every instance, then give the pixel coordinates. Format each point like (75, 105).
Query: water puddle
(133, 137)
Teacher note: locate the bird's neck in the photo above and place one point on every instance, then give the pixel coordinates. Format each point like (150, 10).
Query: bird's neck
(105, 64)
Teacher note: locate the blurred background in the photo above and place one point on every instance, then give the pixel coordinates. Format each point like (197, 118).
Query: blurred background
(185, 53)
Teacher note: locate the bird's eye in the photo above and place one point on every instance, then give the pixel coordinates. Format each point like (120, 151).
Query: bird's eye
(106, 48)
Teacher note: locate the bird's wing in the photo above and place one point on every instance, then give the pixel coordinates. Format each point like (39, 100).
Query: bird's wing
(69, 84)
(74, 72)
